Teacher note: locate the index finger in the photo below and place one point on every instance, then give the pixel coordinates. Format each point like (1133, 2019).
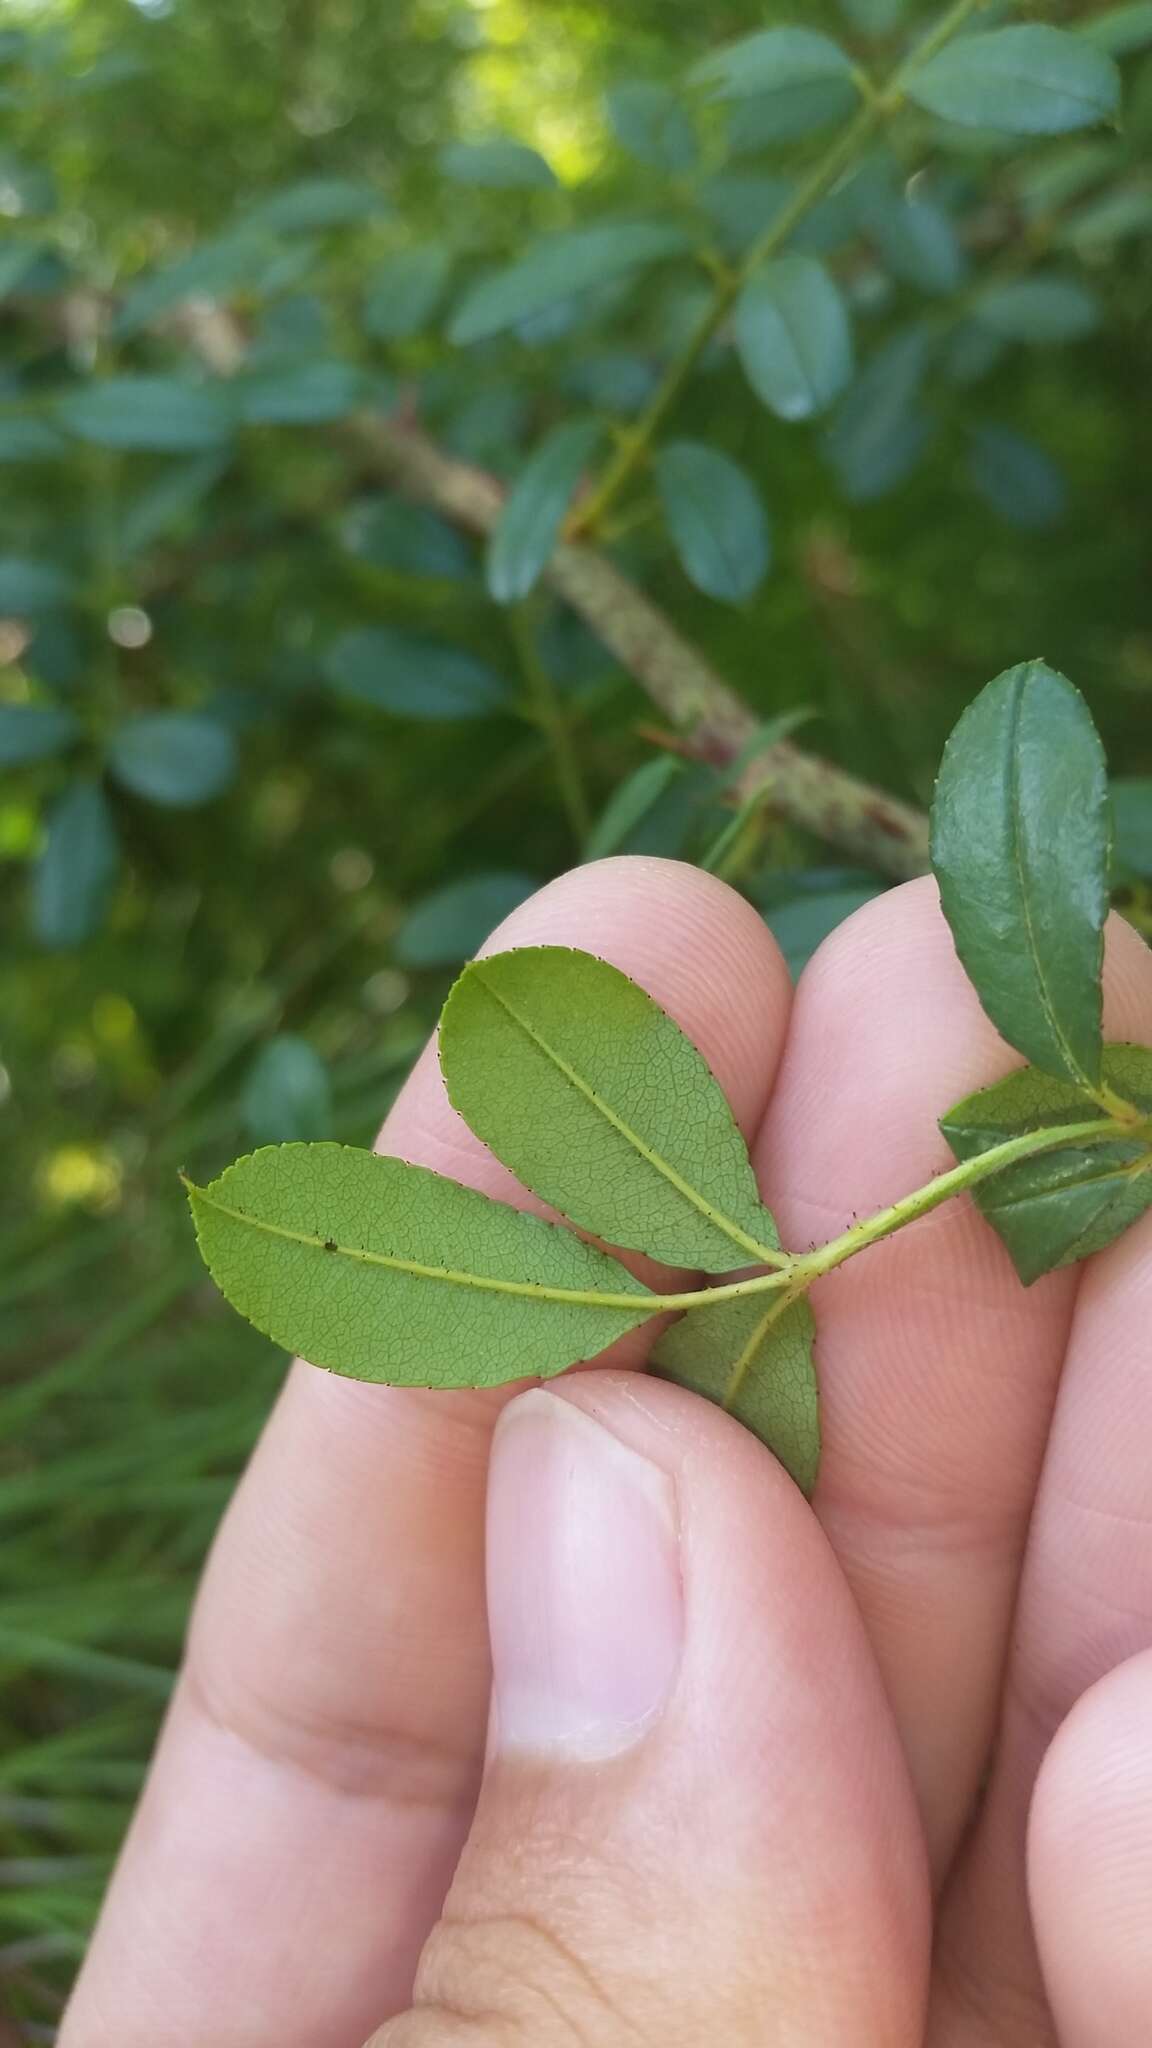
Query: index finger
(317, 1773)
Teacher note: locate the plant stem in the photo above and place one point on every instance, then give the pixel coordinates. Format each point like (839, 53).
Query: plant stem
(552, 721)
(884, 100)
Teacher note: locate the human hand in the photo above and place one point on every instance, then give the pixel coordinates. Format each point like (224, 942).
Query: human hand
(723, 1729)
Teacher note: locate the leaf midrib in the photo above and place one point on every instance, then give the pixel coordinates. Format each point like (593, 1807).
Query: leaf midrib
(643, 1304)
(662, 1166)
(1017, 857)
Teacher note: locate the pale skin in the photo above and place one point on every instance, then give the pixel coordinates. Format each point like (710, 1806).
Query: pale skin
(874, 1776)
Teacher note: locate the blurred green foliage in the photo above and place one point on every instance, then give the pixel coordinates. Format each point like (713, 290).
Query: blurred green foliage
(273, 759)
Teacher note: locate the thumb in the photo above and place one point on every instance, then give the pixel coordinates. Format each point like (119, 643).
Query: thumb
(695, 1822)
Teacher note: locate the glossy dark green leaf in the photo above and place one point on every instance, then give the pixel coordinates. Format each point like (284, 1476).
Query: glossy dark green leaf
(591, 1094)
(176, 758)
(630, 804)
(793, 337)
(716, 519)
(500, 162)
(649, 122)
(384, 1271)
(165, 414)
(34, 732)
(1132, 824)
(766, 119)
(754, 1358)
(1065, 1204)
(1038, 308)
(28, 586)
(1020, 847)
(406, 292)
(288, 1093)
(73, 877)
(412, 676)
(535, 509)
(1016, 478)
(559, 268)
(451, 924)
(1029, 79)
(310, 394)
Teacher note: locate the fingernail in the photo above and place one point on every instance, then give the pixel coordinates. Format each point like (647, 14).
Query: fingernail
(585, 1604)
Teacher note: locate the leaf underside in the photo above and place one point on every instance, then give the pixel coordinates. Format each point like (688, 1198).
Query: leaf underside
(597, 1101)
(767, 1347)
(385, 1271)
(1063, 1205)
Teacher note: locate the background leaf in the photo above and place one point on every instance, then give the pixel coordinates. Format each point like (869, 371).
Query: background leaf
(1132, 824)
(500, 163)
(77, 867)
(774, 60)
(175, 758)
(649, 122)
(406, 291)
(793, 337)
(534, 512)
(34, 732)
(1029, 79)
(559, 269)
(1020, 834)
(1016, 478)
(347, 1312)
(166, 414)
(597, 1101)
(288, 1093)
(1047, 308)
(716, 518)
(452, 923)
(28, 586)
(1065, 1204)
(778, 1399)
(412, 676)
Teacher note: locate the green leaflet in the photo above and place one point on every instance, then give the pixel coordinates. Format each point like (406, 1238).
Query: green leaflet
(648, 121)
(178, 758)
(793, 337)
(753, 1356)
(558, 268)
(384, 1271)
(582, 1085)
(1062, 1205)
(34, 732)
(1020, 847)
(500, 163)
(288, 1093)
(533, 514)
(1047, 308)
(1029, 79)
(406, 291)
(168, 415)
(774, 60)
(716, 518)
(74, 875)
